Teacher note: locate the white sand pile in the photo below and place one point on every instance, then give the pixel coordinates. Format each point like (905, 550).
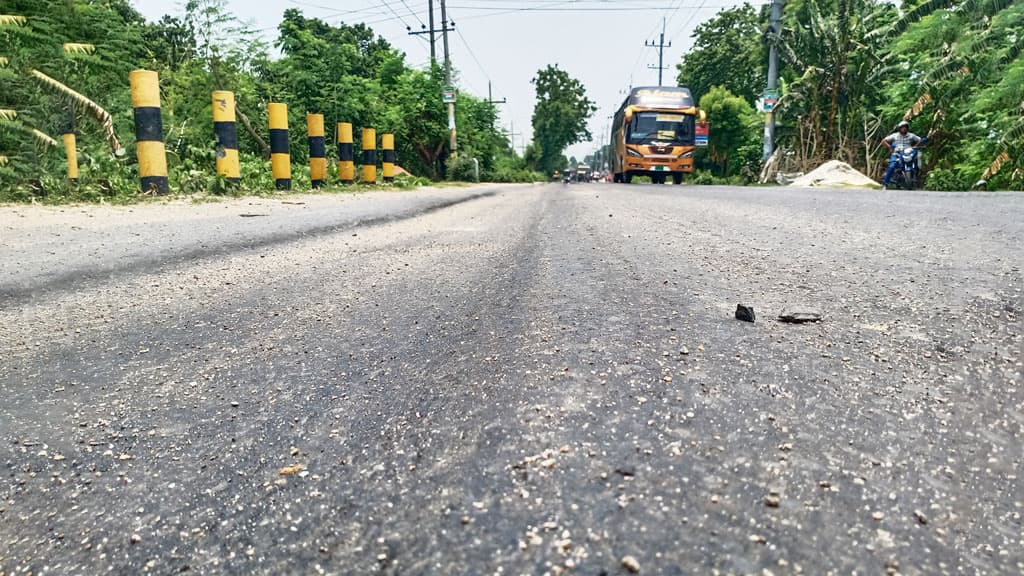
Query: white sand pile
(834, 174)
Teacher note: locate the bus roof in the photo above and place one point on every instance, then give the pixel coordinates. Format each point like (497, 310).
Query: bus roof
(659, 97)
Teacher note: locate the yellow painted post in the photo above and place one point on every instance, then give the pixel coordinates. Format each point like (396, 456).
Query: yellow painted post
(317, 150)
(387, 144)
(225, 132)
(149, 131)
(346, 154)
(369, 156)
(70, 148)
(280, 153)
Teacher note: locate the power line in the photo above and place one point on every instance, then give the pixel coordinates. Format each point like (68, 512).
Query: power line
(693, 15)
(472, 54)
(392, 10)
(640, 57)
(414, 15)
(432, 31)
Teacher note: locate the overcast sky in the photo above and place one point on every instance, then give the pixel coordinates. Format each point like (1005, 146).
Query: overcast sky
(599, 42)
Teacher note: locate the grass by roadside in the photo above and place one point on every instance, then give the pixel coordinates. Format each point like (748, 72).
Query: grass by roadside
(70, 195)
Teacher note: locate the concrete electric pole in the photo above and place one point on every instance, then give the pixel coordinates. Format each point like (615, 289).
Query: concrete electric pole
(512, 135)
(661, 51)
(430, 22)
(430, 31)
(771, 95)
(490, 96)
(454, 145)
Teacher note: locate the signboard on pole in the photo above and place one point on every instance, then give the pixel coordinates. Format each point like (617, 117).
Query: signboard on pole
(769, 100)
(448, 95)
(700, 134)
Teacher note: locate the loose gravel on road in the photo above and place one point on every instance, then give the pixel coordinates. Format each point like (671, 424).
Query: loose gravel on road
(522, 380)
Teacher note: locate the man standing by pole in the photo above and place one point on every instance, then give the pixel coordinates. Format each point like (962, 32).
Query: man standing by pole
(771, 94)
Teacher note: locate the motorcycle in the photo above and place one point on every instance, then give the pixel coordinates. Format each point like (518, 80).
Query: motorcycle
(907, 175)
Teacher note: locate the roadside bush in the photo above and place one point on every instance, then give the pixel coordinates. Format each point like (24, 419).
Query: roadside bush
(702, 178)
(461, 168)
(408, 181)
(942, 179)
(510, 175)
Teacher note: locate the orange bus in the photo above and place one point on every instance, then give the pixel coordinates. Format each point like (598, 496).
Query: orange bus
(653, 134)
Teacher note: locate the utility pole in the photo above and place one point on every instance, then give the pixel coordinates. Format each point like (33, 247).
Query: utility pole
(598, 160)
(661, 51)
(490, 98)
(431, 30)
(448, 81)
(433, 51)
(512, 134)
(774, 29)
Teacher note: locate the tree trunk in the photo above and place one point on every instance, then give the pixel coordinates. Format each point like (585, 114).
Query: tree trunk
(255, 135)
(429, 157)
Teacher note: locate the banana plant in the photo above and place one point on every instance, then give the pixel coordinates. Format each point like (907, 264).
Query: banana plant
(104, 118)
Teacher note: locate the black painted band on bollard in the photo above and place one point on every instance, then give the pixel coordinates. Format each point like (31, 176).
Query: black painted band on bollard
(148, 125)
(279, 141)
(369, 157)
(226, 134)
(317, 147)
(346, 152)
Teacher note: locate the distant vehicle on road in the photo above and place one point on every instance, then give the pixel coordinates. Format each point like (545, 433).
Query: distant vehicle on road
(653, 134)
(582, 173)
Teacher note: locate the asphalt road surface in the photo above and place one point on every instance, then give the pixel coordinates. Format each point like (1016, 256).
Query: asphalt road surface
(515, 380)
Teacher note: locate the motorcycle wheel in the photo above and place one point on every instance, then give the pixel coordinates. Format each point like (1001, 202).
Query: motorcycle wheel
(899, 180)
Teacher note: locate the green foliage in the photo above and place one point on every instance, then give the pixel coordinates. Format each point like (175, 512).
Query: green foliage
(944, 179)
(727, 51)
(343, 71)
(851, 69)
(702, 178)
(734, 134)
(559, 118)
(462, 168)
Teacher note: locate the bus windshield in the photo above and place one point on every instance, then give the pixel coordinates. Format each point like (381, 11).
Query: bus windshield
(647, 127)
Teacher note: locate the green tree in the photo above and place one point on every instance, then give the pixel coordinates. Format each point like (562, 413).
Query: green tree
(734, 129)
(969, 93)
(560, 116)
(419, 120)
(728, 50)
(172, 42)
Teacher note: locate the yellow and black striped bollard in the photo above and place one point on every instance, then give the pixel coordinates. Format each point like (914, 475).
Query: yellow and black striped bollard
(280, 153)
(317, 150)
(226, 133)
(70, 149)
(369, 156)
(149, 131)
(387, 144)
(346, 154)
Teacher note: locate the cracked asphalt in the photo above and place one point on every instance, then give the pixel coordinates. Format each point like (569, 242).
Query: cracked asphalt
(515, 380)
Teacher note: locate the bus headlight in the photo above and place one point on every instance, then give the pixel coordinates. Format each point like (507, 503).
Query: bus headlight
(631, 152)
(687, 154)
